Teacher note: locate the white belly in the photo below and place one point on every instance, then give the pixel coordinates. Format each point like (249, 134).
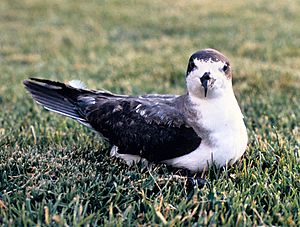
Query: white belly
(226, 151)
(224, 137)
(229, 146)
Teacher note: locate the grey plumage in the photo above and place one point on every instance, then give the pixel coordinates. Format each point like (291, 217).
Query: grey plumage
(152, 126)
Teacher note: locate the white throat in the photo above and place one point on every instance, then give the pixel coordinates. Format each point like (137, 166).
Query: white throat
(216, 114)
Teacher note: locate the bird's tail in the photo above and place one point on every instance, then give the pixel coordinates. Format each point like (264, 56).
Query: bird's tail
(57, 97)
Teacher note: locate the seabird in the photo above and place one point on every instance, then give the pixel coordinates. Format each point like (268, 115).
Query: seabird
(190, 131)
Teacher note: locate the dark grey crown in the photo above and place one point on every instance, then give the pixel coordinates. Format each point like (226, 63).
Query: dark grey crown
(206, 55)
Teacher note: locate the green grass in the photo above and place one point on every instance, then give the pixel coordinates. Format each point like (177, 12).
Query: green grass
(54, 171)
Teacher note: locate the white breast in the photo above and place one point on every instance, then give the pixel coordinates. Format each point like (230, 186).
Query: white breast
(220, 123)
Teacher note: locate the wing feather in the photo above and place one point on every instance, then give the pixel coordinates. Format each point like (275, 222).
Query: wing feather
(156, 132)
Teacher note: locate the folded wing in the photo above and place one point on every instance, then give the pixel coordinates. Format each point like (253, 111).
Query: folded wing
(156, 132)
(149, 126)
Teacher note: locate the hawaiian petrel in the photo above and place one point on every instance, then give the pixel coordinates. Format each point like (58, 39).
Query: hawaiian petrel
(190, 131)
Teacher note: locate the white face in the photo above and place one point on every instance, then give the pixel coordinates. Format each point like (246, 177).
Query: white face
(218, 84)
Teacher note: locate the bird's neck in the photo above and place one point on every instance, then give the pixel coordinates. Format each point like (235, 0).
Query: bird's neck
(210, 113)
(217, 101)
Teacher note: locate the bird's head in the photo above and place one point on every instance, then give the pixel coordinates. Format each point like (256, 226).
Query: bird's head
(208, 74)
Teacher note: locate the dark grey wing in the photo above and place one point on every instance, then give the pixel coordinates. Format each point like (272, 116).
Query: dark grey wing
(151, 126)
(156, 132)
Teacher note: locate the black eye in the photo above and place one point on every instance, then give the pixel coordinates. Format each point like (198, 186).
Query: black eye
(226, 68)
(192, 65)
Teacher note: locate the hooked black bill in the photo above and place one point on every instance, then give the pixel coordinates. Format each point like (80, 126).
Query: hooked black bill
(204, 81)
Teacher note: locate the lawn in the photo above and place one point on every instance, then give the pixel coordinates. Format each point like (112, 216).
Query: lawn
(54, 171)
